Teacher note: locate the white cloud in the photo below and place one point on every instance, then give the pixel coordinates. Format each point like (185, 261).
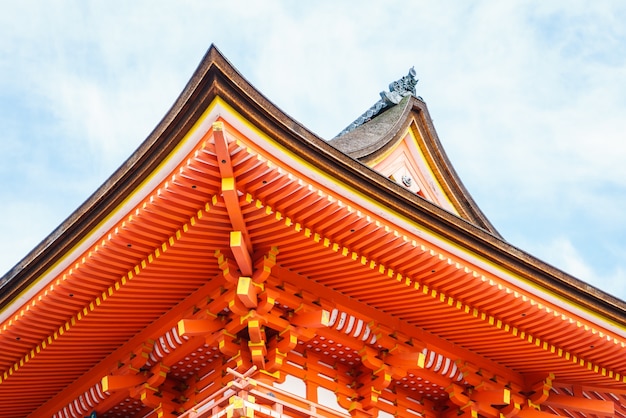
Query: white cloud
(561, 252)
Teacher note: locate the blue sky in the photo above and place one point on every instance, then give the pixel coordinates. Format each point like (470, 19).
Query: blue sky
(528, 99)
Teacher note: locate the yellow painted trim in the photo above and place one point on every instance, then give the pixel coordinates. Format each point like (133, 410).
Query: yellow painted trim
(387, 273)
(115, 212)
(262, 156)
(111, 291)
(413, 143)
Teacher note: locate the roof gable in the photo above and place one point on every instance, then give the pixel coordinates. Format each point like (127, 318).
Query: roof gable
(405, 164)
(401, 143)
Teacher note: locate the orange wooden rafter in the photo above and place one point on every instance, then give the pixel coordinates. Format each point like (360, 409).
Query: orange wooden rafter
(425, 289)
(104, 296)
(484, 314)
(120, 356)
(468, 309)
(144, 212)
(294, 285)
(240, 239)
(90, 273)
(181, 202)
(582, 405)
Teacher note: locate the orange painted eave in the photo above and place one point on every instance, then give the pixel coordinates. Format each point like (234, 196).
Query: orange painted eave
(462, 307)
(215, 77)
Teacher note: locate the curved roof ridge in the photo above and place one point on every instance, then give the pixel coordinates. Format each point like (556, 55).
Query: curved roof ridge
(214, 77)
(209, 80)
(371, 139)
(371, 136)
(398, 89)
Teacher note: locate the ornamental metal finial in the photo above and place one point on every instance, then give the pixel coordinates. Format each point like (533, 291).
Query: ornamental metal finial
(397, 90)
(400, 88)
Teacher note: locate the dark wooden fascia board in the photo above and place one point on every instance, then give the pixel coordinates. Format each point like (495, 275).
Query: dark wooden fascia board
(487, 244)
(161, 141)
(448, 173)
(215, 76)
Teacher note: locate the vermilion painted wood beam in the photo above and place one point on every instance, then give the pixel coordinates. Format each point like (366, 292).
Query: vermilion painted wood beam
(241, 253)
(221, 148)
(312, 319)
(406, 361)
(192, 327)
(355, 307)
(118, 382)
(231, 199)
(582, 405)
(533, 413)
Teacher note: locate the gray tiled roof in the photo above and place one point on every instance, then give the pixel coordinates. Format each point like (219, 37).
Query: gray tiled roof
(374, 134)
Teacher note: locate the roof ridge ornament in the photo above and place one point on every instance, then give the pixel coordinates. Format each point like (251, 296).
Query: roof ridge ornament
(398, 89)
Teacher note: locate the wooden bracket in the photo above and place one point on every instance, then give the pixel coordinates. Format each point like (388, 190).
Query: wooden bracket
(312, 319)
(113, 383)
(192, 327)
(541, 390)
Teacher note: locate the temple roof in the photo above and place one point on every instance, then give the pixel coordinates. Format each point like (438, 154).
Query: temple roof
(148, 245)
(371, 136)
(369, 141)
(215, 77)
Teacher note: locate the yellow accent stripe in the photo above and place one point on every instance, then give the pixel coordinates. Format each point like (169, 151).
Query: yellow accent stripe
(263, 157)
(115, 212)
(114, 288)
(435, 294)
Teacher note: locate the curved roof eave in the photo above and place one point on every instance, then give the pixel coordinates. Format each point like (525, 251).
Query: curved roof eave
(375, 137)
(214, 77)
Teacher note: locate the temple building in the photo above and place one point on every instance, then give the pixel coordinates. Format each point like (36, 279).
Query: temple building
(238, 265)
